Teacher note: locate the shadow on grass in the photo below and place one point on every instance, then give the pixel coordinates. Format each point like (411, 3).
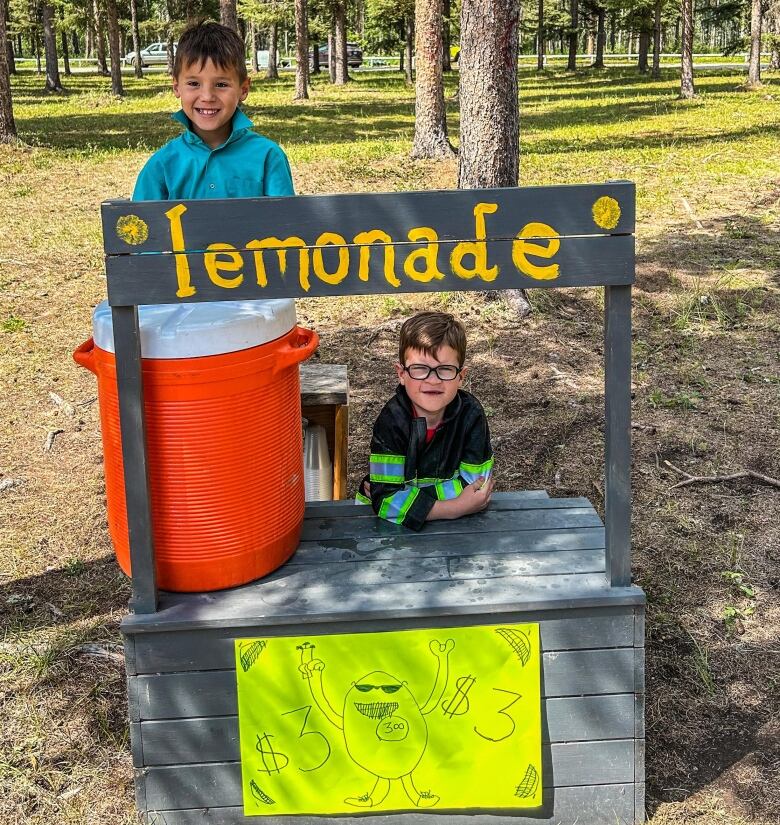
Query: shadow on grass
(68, 594)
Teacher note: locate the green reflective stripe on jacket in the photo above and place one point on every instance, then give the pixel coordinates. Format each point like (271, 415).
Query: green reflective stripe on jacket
(396, 506)
(471, 472)
(386, 468)
(448, 489)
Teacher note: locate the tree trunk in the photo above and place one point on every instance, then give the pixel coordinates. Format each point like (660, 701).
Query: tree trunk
(315, 57)
(643, 50)
(53, 83)
(409, 50)
(331, 55)
(612, 31)
(253, 47)
(601, 37)
(656, 74)
(540, 39)
(228, 15)
(430, 123)
(272, 73)
(113, 45)
(7, 123)
(74, 41)
(446, 38)
(687, 90)
(65, 55)
(100, 39)
(10, 55)
(138, 71)
(489, 110)
(340, 37)
(36, 43)
(301, 51)
(774, 56)
(573, 34)
(754, 65)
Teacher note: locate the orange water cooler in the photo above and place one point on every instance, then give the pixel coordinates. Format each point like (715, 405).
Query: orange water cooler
(223, 428)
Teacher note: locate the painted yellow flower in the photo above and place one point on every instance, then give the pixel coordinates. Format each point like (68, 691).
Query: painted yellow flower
(606, 212)
(132, 230)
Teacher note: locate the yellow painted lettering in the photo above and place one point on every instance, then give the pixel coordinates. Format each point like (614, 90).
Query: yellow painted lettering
(365, 239)
(280, 247)
(428, 255)
(476, 249)
(521, 248)
(318, 264)
(214, 265)
(186, 289)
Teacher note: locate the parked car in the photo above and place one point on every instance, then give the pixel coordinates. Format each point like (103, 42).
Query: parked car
(354, 55)
(155, 54)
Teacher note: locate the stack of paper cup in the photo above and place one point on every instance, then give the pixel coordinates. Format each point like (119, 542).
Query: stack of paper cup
(317, 466)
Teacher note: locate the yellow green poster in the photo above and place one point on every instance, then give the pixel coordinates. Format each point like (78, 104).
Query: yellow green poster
(405, 720)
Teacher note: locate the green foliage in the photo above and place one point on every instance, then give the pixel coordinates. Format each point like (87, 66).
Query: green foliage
(13, 324)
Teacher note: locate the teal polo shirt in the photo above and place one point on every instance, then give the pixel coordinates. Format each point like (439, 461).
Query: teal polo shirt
(246, 165)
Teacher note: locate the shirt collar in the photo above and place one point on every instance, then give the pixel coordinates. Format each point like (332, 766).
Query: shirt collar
(238, 125)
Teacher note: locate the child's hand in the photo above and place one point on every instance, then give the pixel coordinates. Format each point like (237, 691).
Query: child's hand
(476, 496)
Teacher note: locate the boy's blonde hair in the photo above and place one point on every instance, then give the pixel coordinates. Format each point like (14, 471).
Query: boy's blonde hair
(208, 40)
(428, 331)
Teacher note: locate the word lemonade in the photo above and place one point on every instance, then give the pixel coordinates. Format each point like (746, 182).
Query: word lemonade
(226, 266)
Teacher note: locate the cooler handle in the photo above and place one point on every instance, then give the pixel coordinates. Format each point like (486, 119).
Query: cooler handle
(299, 346)
(84, 355)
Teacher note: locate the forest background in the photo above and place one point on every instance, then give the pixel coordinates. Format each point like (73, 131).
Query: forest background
(701, 145)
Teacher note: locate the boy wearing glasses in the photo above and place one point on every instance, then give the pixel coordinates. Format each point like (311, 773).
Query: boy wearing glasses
(430, 450)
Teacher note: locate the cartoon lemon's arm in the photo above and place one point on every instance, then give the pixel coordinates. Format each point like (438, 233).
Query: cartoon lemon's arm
(442, 654)
(312, 672)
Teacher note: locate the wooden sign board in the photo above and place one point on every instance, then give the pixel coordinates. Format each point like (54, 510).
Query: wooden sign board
(307, 246)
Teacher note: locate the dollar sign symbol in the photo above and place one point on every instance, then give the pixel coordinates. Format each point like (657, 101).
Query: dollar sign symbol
(273, 761)
(459, 704)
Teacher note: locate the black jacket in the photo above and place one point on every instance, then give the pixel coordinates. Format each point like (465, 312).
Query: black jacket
(407, 475)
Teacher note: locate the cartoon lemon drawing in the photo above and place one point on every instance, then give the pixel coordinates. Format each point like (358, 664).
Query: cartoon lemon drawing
(606, 212)
(132, 230)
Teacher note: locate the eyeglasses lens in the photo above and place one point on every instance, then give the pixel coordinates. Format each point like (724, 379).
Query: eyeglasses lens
(445, 372)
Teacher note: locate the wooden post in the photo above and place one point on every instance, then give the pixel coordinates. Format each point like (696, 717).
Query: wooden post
(617, 434)
(127, 349)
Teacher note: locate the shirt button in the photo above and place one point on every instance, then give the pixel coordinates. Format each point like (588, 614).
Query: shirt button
(211, 186)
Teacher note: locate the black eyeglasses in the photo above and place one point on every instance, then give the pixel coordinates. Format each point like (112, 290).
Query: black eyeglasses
(444, 372)
(364, 688)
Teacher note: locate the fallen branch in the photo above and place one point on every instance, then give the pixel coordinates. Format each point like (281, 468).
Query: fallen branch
(689, 479)
(51, 435)
(66, 406)
(691, 213)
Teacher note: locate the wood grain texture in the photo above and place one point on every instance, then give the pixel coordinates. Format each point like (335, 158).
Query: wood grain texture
(324, 384)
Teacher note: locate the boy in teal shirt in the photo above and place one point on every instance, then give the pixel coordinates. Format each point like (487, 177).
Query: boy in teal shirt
(217, 156)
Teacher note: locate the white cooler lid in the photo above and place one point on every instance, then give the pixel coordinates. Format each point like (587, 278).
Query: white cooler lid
(194, 330)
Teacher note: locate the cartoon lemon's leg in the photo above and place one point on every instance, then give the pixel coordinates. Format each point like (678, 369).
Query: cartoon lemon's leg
(373, 797)
(420, 799)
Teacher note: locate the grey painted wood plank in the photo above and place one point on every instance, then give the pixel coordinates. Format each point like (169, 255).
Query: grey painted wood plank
(581, 805)
(639, 715)
(416, 546)
(324, 384)
(640, 814)
(324, 603)
(516, 500)
(152, 279)
(617, 435)
(213, 692)
(218, 784)
(132, 425)
(139, 775)
(216, 739)
(639, 627)
(639, 670)
(211, 648)
(489, 521)
(567, 208)
(136, 744)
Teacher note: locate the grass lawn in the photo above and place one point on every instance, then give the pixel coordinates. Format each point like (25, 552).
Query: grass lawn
(706, 388)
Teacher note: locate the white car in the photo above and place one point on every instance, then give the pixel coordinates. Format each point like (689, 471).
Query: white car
(156, 54)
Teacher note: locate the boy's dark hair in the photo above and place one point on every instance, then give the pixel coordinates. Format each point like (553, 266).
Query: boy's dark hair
(209, 40)
(427, 331)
